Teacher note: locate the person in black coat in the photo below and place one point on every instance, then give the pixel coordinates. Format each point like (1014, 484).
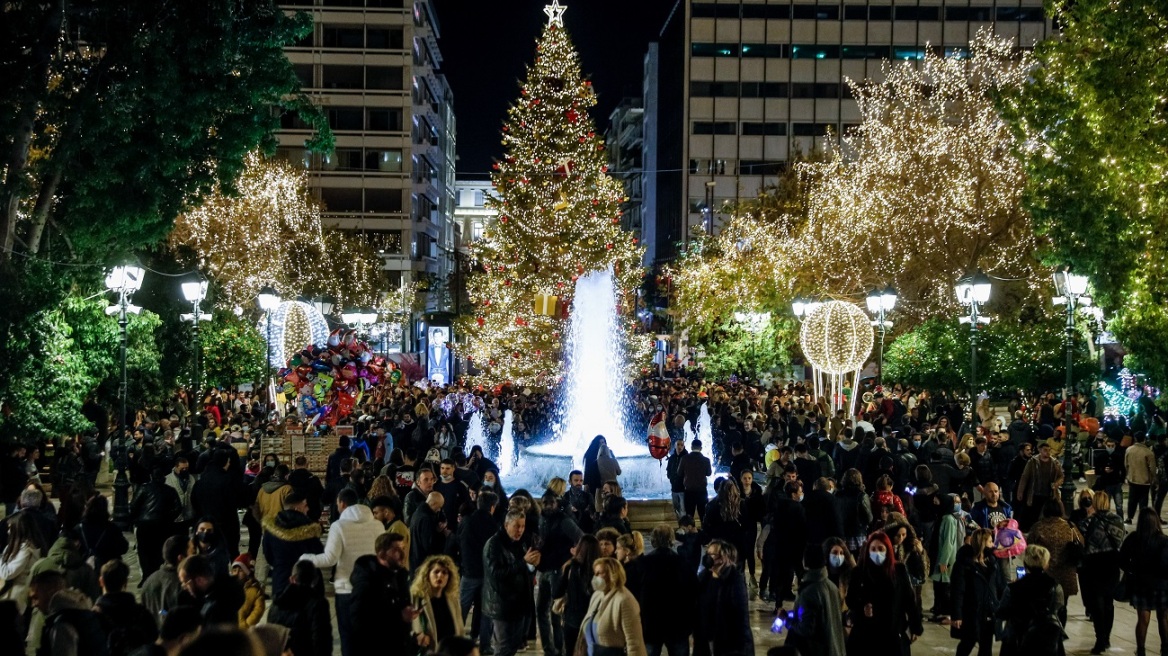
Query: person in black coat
(880, 598)
(427, 530)
(723, 626)
(786, 538)
(669, 591)
(507, 598)
(217, 494)
(592, 479)
(854, 509)
(157, 513)
(822, 518)
(380, 602)
(472, 536)
(302, 607)
(615, 516)
(307, 485)
(977, 585)
(289, 535)
(217, 597)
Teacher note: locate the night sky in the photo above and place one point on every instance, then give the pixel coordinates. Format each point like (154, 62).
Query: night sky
(485, 45)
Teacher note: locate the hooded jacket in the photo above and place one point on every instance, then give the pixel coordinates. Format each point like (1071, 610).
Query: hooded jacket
(270, 500)
(351, 537)
(289, 536)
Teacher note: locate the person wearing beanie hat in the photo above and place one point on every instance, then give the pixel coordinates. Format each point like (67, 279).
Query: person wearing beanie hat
(252, 610)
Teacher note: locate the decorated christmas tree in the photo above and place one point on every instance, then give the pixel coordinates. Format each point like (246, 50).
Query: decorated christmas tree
(558, 220)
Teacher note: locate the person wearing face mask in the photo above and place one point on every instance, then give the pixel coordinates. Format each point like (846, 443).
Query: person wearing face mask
(179, 478)
(816, 625)
(723, 626)
(885, 619)
(207, 541)
(612, 625)
(950, 538)
(840, 565)
(453, 491)
(1111, 472)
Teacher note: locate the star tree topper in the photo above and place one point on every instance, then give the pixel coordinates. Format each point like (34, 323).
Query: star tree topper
(555, 13)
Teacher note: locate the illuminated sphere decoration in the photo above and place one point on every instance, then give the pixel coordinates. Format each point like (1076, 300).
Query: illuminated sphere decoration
(295, 324)
(837, 337)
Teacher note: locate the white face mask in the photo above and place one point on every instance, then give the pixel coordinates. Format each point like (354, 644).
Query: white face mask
(598, 583)
(877, 557)
(837, 560)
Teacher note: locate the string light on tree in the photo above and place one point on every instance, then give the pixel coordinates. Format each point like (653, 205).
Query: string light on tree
(555, 204)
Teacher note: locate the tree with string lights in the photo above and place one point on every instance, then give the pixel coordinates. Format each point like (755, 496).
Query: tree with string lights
(925, 189)
(558, 219)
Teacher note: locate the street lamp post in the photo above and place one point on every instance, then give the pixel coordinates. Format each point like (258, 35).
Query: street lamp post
(973, 291)
(124, 280)
(268, 300)
(195, 292)
(880, 303)
(1071, 290)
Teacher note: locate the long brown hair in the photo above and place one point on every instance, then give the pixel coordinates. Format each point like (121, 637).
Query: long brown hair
(729, 501)
(22, 529)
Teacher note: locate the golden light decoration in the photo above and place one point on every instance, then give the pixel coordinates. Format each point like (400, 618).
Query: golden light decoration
(837, 337)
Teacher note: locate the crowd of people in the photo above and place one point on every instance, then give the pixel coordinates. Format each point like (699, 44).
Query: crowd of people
(843, 522)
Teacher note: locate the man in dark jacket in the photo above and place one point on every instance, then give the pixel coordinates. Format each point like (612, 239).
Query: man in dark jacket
(69, 622)
(787, 537)
(289, 535)
(695, 471)
(453, 491)
(676, 481)
(307, 485)
(216, 494)
(380, 602)
(473, 533)
(157, 513)
(823, 520)
(302, 608)
(427, 530)
(507, 584)
(127, 623)
(217, 597)
(670, 589)
(341, 454)
(558, 534)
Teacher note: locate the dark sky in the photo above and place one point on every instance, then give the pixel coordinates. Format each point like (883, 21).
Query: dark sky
(485, 45)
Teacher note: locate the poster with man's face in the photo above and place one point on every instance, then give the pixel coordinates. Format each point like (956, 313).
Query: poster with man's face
(437, 355)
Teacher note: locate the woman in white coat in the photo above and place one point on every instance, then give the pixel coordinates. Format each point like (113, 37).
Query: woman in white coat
(612, 626)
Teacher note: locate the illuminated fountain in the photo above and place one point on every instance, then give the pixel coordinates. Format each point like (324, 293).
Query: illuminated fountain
(595, 402)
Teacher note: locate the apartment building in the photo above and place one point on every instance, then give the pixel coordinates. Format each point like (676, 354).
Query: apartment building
(373, 66)
(735, 89)
(624, 139)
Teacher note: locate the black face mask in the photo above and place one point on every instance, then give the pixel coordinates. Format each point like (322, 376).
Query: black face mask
(184, 474)
(204, 536)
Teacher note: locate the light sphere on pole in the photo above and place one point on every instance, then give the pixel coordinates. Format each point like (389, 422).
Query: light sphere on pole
(837, 337)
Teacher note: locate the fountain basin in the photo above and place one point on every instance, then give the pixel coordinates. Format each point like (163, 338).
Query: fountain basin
(642, 477)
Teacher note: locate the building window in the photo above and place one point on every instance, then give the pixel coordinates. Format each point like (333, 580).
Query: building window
(908, 52)
(766, 11)
(383, 200)
(714, 50)
(863, 52)
(810, 129)
(479, 201)
(764, 50)
(384, 120)
(916, 13)
(1012, 14)
(815, 90)
(339, 199)
(343, 36)
(983, 14)
(343, 77)
(764, 90)
(384, 38)
(816, 12)
(764, 129)
(713, 10)
(384, 77)
(711, 166)
(304, 74)
(714, 89)
(761, 167)
(387, 242)
(385, 161)
(345, 118)
(717, 127)
(815, 51)
(476, 231)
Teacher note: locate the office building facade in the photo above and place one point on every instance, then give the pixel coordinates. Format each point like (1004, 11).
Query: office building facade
(735, 90)
(372, 65)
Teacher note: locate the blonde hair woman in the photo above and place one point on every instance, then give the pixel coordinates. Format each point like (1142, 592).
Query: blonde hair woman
(435, 591)
(612, 625)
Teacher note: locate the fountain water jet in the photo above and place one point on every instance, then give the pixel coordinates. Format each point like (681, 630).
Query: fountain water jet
(595, 400)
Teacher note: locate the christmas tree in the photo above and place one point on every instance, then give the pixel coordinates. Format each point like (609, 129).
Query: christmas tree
(558, 219)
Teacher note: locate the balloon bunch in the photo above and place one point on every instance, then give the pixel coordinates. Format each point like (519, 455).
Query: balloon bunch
(331, 380)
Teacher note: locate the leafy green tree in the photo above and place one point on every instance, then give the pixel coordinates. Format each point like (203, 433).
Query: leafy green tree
(1095, 145)
(732, 349)
(233, 350)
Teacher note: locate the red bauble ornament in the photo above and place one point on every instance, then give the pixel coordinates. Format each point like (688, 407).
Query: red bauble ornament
(538, 353)
(583, 139)
(608, 246)
(505, 128)
(604, 168)
(507, 282)
(595, 201)
(573, 115)
(615, 220)
(591, 134)
(480, 321)
(502, 219)
(523, 92)
(587, 83)
(495, 166)
(510, 160)
(515, 355)
(634, 241)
